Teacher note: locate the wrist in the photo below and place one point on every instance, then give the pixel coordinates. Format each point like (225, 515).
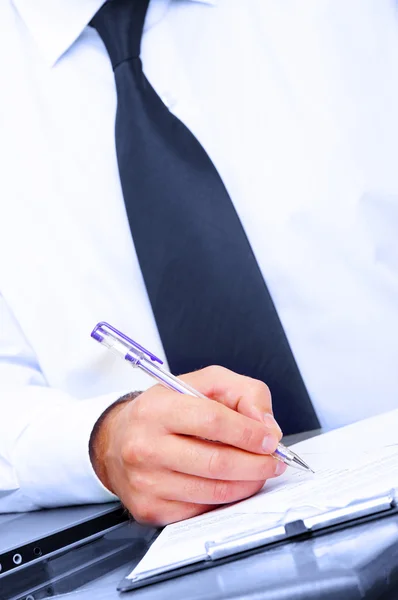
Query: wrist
(101, 437)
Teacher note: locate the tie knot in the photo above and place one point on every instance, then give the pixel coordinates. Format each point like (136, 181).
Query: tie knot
(120, 24)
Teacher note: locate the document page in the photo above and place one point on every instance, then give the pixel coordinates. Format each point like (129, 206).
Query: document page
(354, 462)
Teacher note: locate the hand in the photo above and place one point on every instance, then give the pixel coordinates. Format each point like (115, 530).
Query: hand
(158, 454)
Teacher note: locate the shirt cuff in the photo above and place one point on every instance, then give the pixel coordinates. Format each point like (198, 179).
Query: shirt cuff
(51, 457)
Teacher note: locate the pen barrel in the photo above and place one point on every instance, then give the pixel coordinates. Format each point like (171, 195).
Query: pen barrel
(167, 379)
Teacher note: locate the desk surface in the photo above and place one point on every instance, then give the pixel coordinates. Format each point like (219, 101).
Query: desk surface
(359, 562)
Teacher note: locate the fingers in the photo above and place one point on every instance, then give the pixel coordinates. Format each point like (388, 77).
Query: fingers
(158, 512)
(211, 420)
(170, 456)
(248, 396)
(153, 492)
(215, 461)
(197, 490)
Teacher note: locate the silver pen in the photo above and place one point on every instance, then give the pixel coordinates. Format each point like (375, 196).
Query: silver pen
(137, 356)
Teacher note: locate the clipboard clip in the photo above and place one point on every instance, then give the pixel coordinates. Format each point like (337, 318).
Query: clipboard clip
(335, 516)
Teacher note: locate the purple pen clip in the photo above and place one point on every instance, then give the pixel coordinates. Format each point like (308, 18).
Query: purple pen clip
(98, 336)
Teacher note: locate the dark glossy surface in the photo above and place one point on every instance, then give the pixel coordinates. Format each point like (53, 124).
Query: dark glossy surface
(359, 563)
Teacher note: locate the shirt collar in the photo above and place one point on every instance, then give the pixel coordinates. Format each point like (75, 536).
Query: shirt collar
(56, 24)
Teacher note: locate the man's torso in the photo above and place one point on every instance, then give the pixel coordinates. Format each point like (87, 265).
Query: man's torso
(295, 102)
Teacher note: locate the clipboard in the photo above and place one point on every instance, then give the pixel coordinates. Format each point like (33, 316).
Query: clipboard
(234, 547)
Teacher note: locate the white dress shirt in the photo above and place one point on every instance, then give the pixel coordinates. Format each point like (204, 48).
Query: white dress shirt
(296, 103)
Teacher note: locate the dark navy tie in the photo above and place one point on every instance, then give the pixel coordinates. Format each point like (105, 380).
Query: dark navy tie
(208, 296)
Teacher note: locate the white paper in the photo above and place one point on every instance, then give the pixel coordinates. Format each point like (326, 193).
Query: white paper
(354, 462)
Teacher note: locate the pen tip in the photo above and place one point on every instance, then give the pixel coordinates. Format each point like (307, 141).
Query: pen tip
(300, 464)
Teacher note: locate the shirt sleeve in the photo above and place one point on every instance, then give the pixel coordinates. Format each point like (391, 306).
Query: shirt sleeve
(44, 432)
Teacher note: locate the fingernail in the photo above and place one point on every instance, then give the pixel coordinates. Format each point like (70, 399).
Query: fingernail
(271, 423)
(270, 443)
(280, 468)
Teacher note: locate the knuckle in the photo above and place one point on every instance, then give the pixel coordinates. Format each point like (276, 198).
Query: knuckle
(213, 420)
(142, 409)
(215, 371)
(217, 464)
(128, 452)
(260, 388)
(246, 437)
(138, 451)
(142, 481)
(221, 492)
(144, 511)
